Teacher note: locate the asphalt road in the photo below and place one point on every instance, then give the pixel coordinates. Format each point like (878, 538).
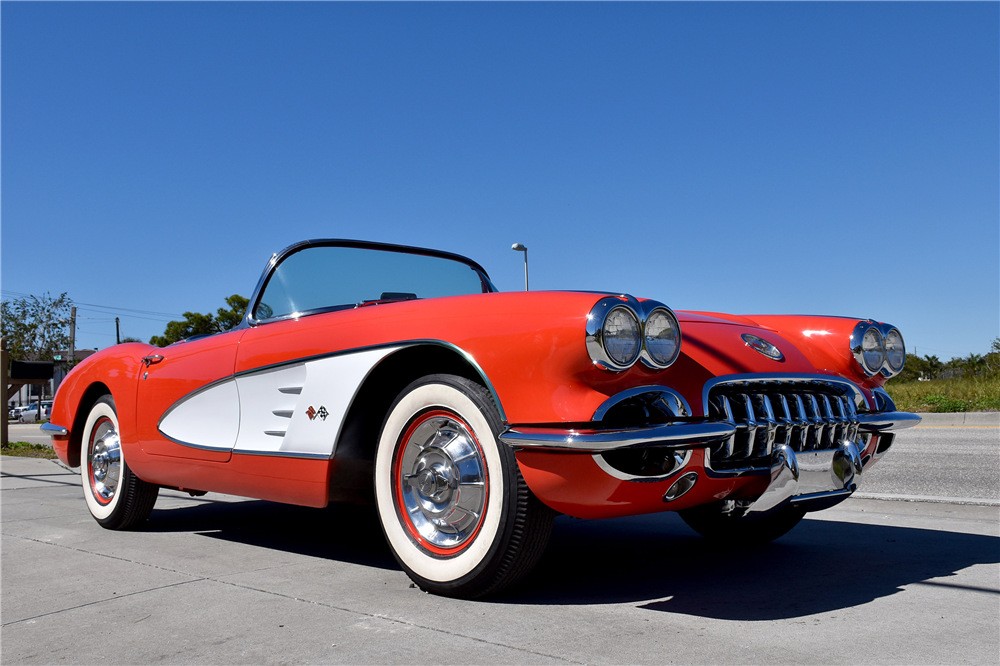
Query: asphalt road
(939, 461)
(221, 580)
(27, 432)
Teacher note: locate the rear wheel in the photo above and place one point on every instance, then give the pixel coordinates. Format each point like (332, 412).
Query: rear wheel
(713, 523)
(116, 497)
(453, 505)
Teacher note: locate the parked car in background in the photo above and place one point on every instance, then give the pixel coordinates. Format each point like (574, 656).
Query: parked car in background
(400, 375)
(29, 414)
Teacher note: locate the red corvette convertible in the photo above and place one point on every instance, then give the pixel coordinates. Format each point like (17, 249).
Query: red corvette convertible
(399, 375)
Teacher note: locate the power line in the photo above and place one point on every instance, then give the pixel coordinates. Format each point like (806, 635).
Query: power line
(106, 307)
(132, 316)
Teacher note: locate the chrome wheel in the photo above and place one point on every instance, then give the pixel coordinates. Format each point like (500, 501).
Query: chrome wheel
(440, 482)
(104, 460)
(454, 508)
(116, 497)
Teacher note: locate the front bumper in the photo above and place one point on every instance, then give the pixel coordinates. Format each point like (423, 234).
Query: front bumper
(681, 434)
(591, 438)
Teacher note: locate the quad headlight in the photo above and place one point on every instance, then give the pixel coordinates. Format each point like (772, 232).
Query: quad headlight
(878, 348)
(620, 335)
(895, 351)
(662, 337)
(621, 331)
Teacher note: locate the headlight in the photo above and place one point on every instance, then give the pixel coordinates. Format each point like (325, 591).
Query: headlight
(662, 337)
(873, 349)
(620, 335)
(621, 330)
(895, 351)
(868, 347)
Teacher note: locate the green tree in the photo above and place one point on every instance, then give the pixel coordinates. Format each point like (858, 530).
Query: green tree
(934, 366)
(992, 360)
(231, 318)
(196, 323)
(914, 368)
(35, 327)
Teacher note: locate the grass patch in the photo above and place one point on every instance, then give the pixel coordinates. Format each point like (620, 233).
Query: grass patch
(26, 450)
(971, 394)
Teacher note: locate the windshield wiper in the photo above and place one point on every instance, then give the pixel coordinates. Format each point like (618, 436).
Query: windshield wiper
(389, 297)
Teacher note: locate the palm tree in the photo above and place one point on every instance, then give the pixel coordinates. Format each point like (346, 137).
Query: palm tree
(934, 366)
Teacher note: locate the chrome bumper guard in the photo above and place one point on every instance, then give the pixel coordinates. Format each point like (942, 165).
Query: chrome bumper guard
(813, 480)
(595, 440)
(816, 480)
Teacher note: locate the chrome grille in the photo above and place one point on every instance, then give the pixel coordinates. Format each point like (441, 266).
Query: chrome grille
(806, 415)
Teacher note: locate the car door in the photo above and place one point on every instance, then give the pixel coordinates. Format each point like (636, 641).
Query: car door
(187, 405)
(296, 382)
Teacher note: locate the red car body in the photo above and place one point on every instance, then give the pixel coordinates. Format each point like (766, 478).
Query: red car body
(527, 349)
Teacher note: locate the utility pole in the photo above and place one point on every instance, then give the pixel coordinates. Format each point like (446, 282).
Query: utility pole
(118, 331)
(72, 338)
(517, 247)
(3, 384)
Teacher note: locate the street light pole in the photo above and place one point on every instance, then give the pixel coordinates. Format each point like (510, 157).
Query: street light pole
(517, 247)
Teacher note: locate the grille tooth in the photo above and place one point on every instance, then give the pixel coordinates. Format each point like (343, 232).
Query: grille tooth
(801, 423)
(724, 449)
(816, 431)
(831, 427)
(782, 434)
(750, 424)
(805, 415)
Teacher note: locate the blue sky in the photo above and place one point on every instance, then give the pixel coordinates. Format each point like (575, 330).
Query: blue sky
(749, 158)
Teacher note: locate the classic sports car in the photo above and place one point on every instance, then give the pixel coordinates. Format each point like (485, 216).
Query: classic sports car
(400, 375)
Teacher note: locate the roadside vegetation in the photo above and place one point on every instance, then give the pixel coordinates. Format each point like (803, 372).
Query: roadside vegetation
(26, 450)
(970, 384)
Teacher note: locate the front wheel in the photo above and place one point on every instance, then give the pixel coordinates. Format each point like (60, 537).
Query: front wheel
(116, 497)
(455, 510)
(713, 523)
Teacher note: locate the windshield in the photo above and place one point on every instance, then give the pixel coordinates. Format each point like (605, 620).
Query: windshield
(330, 277)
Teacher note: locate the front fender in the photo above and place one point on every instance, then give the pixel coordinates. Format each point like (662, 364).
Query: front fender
(114, 370)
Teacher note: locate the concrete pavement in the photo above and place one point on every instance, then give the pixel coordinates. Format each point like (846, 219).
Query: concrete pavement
(220, 580)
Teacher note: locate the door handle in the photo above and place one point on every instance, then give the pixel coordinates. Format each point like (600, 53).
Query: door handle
(150, 360)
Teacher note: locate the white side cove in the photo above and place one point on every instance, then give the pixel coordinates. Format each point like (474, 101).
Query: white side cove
(208, 419)
(295, 410)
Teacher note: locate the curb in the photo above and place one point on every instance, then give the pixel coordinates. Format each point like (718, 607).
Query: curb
(960, 419)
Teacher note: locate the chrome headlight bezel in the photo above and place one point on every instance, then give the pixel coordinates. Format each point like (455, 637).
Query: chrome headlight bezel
(651, 308)
(883, 331)
(640, 312)
(887, 369)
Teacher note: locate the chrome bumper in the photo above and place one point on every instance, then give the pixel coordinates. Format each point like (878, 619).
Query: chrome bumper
(886, 421)
(596, 440)
(53, 430)
(590, 438)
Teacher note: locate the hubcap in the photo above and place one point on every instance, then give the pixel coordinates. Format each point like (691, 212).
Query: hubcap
(441, 481)
(104, 461)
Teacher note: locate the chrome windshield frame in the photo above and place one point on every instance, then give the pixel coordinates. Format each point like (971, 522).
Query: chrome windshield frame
(249, 320)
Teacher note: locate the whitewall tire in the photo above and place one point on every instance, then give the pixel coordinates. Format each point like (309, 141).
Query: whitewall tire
(454, 508)
(115, 496)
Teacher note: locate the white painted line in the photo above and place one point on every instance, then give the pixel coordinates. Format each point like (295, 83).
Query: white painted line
(928, 498)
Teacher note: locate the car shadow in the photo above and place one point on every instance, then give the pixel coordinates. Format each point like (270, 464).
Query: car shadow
(342, 532)
(819, 566)
(653, 561)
